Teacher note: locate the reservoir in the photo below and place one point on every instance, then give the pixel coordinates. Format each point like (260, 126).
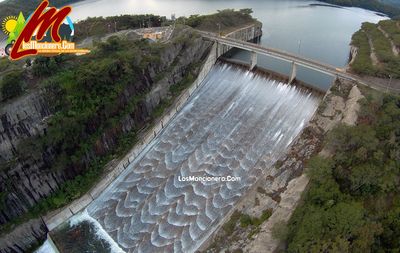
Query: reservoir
(308, 28)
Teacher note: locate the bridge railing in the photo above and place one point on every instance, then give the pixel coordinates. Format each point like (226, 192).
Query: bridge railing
(300, 60)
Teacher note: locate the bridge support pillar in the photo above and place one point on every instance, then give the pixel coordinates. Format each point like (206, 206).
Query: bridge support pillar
(253, 61)
(293, 73)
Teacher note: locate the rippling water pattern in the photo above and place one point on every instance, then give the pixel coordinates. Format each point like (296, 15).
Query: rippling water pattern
(236, 121)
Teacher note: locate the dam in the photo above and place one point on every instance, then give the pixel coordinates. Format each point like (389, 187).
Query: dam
(230, 132)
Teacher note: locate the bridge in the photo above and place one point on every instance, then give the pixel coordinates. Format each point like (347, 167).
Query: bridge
(296, 60)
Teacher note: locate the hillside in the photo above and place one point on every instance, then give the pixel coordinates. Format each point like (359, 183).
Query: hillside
(353, 198)
(374, 5)
(395, 3)
(378, 47)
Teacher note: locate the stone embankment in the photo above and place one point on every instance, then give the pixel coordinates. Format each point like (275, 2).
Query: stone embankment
(24, 237)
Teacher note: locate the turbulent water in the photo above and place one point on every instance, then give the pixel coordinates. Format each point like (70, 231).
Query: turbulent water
(237, 124)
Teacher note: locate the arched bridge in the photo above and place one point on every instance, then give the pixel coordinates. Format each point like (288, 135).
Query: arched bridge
(296, 60)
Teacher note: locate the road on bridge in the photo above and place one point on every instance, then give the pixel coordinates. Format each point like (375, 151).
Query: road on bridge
(298, 60)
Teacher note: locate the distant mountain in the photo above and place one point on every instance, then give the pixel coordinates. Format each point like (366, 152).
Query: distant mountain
(384, 6)
(395, 3)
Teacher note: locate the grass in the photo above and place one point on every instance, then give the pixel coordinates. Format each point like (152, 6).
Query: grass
(229, 226)
(239, 222)
(261, 190)
(246, 220)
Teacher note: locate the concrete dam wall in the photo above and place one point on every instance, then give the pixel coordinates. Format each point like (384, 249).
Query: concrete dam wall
(235, 125)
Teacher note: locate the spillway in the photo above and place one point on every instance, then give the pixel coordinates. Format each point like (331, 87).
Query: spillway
(235, 126)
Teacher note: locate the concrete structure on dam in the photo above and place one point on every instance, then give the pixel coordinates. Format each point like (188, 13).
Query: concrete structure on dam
(56, 218)
(53, 221)
(225, 43)
(247, 33)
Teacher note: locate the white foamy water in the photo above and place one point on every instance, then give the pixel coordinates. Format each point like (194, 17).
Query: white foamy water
(100, 233)
(237, 124)
(47, 247)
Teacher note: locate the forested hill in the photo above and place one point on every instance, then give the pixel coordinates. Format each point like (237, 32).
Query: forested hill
(386, 6)
(391, 2)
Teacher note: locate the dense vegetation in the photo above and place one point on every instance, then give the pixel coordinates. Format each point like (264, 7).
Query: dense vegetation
(373, 5)
(395, 3)
(223, 21)
(388, 63)
(11, 85)
(353, 201)
(100, 26)
(11, 79)
(392, 29)
(92, 94)
(362, 64)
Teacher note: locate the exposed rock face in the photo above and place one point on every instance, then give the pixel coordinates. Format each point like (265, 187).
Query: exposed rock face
(352, 107)
(26, 182)
(353, 54)
(20, 119)
(24, 237)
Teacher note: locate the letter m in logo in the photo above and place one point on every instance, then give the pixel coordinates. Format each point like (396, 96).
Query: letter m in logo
(41, 22)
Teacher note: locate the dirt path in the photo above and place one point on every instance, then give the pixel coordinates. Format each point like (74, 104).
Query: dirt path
(394, 49)
(374, 59)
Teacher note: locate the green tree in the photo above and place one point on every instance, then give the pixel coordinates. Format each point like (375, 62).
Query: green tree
(11, 85)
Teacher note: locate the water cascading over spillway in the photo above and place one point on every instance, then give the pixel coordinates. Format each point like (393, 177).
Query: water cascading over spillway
(235, 121)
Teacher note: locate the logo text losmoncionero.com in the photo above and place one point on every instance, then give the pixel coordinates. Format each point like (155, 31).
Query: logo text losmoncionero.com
(47, 31)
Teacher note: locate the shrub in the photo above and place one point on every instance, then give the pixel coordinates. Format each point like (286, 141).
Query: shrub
(11, 85)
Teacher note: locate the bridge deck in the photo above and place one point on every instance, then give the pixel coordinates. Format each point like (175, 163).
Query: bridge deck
(299, 60)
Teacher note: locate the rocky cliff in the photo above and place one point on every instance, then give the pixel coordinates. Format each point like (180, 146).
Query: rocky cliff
(24, 238)
(24, 182)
